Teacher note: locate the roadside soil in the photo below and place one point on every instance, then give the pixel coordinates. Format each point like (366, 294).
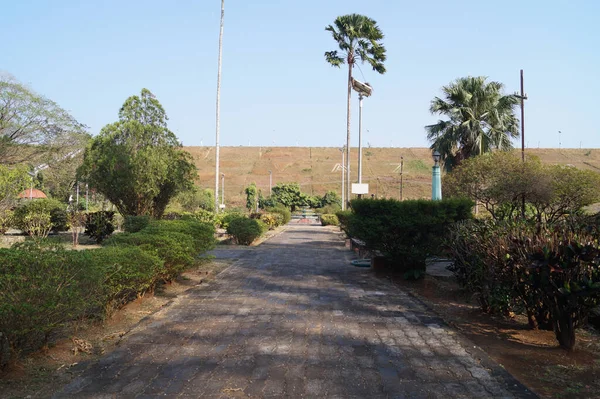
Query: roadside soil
(39, 374)
(533, 357)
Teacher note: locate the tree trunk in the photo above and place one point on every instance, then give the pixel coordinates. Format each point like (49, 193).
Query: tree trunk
(350, 64)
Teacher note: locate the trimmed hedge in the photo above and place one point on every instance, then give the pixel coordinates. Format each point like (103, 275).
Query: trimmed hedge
(244, 230)
(133, 224)
(406, 232)
(99, 225)
(55, 209)
(329, 220)
(43, 286)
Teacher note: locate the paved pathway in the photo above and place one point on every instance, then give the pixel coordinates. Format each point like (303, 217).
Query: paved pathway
(291, 318)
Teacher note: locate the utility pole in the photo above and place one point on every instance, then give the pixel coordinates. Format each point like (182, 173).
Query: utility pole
(401, 177)
(343, 193)
(217, 148)
(522, 97)
(270, 183)
(360, 105)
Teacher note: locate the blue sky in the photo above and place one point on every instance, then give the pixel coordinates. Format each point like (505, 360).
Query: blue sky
(89, 56)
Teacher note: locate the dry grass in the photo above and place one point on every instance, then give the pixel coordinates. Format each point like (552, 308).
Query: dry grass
(314, 168)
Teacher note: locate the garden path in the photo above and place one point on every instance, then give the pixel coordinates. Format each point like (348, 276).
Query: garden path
(291, 318)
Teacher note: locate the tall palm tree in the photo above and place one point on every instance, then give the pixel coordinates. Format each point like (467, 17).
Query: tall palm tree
(359, 39)
(480, 118)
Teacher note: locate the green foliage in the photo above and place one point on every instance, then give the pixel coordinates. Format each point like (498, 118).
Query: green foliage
(225, 218)
(552, 275)
(289, 195)
(359, 39)
(344, 220)
(195, 199)
(6, 220)
(137, 162)
(329, 220)
(499, 181)
(330, 198)
(202, 234)
(40, 289)
(133, 224)
(283, 211)
(59, 219)
(480, 119)
(245, 230)
(99, 225)
(406, 232)
(12, 182)
(252, 195)
(32, 122)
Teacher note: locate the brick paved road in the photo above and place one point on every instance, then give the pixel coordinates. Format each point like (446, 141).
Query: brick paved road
(292, 319)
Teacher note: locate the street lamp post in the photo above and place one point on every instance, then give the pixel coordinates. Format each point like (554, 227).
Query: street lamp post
(364, 90)
(218, 113)
(401, 176)
(222, 190)
(436, 181)
(343, 194)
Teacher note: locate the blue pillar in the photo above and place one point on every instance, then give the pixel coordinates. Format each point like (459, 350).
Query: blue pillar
(436, 184)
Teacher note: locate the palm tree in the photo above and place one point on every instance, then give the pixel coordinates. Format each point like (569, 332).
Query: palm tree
(480, 118)
(359, 39)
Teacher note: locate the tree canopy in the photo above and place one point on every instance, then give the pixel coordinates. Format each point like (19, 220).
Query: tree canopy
(137, 162)
(500, 180)
(479, 118)
(31, 125)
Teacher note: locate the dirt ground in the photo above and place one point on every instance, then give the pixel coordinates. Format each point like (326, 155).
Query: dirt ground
(44, 372)
(533, 357)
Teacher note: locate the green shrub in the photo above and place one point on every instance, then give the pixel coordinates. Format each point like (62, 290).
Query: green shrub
(99, 225)
(245, 230)
(343, 219)
(202, 234)
(175, 249)
(283, 211)
(6, 220)
(406, 232)
(42, 288)
(329, 220)
(552, 275)
(59, 219)
(331, 209)
(134, 224)
(225, 218)
(55, 210)
(204, 216)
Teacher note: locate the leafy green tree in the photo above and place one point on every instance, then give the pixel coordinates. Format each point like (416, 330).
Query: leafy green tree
(479, 118)
(331, 198)
(289, 195)
(32, 125)
(359, 39)
(12, 182)
(137, 162)
(195, 198)
(251, 196)
(500, 180)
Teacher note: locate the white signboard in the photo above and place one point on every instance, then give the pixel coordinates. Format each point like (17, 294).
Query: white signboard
(360, 188)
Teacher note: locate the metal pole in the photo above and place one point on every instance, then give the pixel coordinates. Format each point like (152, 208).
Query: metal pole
(401, 176)
(218, 116)
(360, 107)
(222, 188)
(523, 98)
(270, 182)
(343, 193)
(86, 197)
(77, 201)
